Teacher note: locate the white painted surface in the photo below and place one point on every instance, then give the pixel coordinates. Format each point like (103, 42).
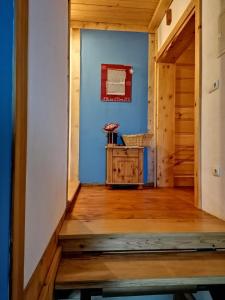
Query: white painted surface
(178, 7)
(47, 126)
(213, 111)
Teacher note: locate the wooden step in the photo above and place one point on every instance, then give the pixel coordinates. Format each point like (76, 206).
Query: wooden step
(141, 235)
(141, 270)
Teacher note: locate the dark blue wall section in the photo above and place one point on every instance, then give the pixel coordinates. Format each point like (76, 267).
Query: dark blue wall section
(109, 47)
(6, 75)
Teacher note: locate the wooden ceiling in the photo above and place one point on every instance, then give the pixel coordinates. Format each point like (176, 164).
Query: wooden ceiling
(116, 14)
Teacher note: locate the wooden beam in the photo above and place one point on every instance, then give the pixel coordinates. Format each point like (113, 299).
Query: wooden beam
(151, 106)
(20, 148)
(158, 15)
(108, 26)
(198, 94)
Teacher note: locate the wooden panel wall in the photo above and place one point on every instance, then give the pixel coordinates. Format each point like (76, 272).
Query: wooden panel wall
(165, 124)
(184, 121)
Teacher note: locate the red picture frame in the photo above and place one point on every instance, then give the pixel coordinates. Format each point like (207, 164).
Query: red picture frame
(105, 95)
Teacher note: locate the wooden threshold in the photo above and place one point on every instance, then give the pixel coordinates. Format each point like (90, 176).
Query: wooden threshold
(139, 270)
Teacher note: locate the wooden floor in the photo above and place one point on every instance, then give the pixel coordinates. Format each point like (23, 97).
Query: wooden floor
(104, 203)
(99, 210)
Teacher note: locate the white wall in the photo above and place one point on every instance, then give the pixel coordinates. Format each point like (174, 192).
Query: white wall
(178, 7)
(213, 111)
(47, 126)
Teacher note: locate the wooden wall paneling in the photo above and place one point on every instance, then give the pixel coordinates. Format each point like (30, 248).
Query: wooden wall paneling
(48, 288)
(74, 105)
(184, 120)
(198, 85)
(165, 124)
(44, 272)
(151, 107)
(107, 13)
(20, 148)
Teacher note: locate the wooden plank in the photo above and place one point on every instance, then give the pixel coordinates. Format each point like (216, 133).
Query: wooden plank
(197, 223)
(165, 124)
(184, 100)
(151, 106)
(184, 140)
(45, 268)
(185, 113)
(20, 148)
(198, 85)
(185, 85)
(184, 168)
(184, 181)
(184, 126)
(145, 4)
(185, 71)
(108, 26)
(48, 288)
(158, 15)
(108, 271)
(73, 188)
(144, 242)
(74, 122)
(112, 15)
(114, 12)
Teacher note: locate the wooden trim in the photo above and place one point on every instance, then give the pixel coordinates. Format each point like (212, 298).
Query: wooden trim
(45, 269)
(74, 104)
(151, 105)
(20, 148)
(71, 203)
(158, 15)
(106, 26)
(198, 85)
(48, 288)
(155, 112)
(188, 13)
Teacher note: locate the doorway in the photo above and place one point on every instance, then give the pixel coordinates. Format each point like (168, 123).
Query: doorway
(175, 77)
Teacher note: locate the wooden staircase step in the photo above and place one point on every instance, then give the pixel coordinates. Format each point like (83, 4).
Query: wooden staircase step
(110, 271)
(135, 234)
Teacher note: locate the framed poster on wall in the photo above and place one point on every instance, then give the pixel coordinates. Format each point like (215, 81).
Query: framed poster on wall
(116, 83)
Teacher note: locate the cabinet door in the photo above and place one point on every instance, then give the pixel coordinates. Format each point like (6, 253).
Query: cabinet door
(125, 170)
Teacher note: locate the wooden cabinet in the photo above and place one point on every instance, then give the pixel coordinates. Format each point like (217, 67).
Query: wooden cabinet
(124, 165)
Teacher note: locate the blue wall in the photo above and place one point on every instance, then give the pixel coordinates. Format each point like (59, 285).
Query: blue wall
(6, 75)
(98, 47)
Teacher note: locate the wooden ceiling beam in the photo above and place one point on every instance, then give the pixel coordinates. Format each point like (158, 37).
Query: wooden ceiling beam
(158, 15)
(108, 26)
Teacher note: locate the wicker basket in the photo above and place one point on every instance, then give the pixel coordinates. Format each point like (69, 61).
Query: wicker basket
(142, 140)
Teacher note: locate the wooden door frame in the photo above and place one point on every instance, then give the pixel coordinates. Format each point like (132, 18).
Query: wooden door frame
(19, 148)
(194, 8)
